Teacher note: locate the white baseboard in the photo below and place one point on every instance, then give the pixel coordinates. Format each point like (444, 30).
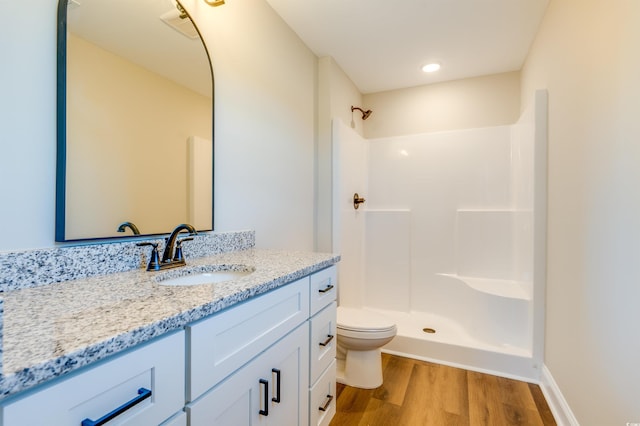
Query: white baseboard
(558, 405)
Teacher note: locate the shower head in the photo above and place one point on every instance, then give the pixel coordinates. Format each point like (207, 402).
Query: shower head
(365, 114)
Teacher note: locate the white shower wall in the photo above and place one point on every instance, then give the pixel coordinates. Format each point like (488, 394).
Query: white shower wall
(458, 193)
(455, 203)
(350, 174)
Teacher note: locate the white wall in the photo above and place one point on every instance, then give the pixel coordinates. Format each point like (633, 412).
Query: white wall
(264, 123)
(27, 124)
(265, 80)
(491, 100)
(587, 54)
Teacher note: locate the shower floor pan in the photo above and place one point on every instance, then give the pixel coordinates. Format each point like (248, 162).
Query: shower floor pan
(452, 345)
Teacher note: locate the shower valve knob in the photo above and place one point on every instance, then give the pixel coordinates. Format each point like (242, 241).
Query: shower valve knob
(357, 200)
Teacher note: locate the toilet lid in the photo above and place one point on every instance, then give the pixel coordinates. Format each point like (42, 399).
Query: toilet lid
(361, 320)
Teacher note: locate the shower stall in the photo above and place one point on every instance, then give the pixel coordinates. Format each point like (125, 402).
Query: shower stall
(450, 243)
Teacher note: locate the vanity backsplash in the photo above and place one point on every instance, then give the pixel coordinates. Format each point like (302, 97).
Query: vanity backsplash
(33, 268)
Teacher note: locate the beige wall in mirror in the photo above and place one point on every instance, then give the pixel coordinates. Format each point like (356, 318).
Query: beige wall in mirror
(126, 166)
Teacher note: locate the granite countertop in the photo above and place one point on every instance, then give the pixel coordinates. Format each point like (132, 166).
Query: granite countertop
(55, 329)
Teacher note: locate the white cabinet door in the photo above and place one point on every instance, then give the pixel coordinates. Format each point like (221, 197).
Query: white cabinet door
(290, 363)
(142, 387)
(249, 396)
(236, 401)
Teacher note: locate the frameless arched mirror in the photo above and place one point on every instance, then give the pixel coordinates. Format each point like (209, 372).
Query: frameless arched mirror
(135, 117)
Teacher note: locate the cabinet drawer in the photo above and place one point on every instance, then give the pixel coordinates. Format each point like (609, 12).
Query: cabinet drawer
(323, 340)
(158, 367)
(322, 398)
(224, 342)
(324, 288)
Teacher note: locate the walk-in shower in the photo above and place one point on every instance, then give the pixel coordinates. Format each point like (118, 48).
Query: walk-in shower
(450, 243)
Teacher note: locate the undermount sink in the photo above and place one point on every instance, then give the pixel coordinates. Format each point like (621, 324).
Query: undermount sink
(199, 277)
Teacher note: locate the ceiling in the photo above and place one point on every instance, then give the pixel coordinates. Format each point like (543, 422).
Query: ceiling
(382, 45)
(143, 38)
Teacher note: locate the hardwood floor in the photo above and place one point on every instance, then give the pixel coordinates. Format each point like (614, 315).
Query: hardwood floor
(419, 393)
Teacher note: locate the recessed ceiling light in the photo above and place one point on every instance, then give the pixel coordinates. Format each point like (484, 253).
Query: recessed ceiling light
(431, 67)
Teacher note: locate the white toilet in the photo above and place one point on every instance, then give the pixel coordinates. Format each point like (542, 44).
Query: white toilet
(361, 334)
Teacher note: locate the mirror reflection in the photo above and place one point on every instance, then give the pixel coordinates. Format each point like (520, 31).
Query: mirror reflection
(139, 150)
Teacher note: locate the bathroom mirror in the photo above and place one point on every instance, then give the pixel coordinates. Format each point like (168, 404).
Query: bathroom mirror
(135, 118)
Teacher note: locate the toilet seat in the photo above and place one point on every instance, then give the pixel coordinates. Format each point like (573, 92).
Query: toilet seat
(367, 335)
(361, 321)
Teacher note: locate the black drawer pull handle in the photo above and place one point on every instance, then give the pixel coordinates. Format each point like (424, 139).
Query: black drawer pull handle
(326, 404)
(265, 412)
(326, 289)
(329, 339)
(277, 397)
(142, 395)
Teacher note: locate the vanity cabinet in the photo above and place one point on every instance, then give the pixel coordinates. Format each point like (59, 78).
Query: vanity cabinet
(323, 345)
(237, 357)
(144, 386)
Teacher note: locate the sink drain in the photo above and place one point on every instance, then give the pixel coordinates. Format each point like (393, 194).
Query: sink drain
(429, 330)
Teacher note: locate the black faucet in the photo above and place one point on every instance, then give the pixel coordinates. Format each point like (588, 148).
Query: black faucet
(169, 260)
(167, 255)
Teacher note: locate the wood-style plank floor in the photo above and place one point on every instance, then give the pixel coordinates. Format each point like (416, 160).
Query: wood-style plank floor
(419, 393)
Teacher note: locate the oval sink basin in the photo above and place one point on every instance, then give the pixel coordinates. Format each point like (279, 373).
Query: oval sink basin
(212, 277)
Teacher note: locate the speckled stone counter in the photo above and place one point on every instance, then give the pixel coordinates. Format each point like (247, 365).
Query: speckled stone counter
(33, 268)
(52, 330)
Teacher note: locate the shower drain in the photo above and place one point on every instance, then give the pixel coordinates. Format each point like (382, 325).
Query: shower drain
(429, 330)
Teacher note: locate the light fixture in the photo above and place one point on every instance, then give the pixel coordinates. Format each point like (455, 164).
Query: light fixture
(214, 3)
(433, 67)
(179, 20)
